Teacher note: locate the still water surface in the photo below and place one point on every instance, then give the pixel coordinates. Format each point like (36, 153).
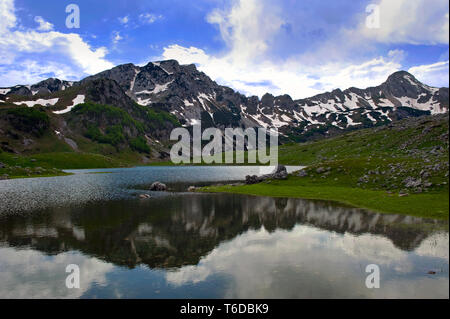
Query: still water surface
(183, 245)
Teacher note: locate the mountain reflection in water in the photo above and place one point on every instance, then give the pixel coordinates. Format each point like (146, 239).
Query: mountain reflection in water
(221, 245)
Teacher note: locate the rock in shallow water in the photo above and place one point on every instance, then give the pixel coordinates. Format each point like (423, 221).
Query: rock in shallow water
(158, 187)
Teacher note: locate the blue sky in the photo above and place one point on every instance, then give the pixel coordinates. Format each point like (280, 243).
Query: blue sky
(299, 47)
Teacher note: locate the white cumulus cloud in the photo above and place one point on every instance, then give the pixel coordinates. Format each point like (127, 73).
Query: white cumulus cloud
(31, 55)
(8, 18)
(251, 28)
(124, 20)
(435, 74)
(149, 18)
(117, 37)
(413, 22)
(247, 27)
(289, 77)
(43, 25)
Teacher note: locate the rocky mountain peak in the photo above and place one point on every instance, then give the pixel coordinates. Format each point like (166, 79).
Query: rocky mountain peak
(193, 97)
(405, 79)
(403, 84)
(401, 75)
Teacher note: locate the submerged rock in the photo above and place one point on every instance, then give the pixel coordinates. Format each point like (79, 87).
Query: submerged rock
(158, 187)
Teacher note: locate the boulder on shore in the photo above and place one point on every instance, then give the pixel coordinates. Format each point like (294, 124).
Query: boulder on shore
(280, 172)
(302, 173)
(252, 179)
(158, 187)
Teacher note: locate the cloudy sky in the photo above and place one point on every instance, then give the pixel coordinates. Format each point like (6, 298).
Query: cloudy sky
(298, 47)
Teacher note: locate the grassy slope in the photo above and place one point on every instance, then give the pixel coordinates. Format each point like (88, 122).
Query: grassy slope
(431, 205)
(367, 169)
(51, 164)
(61, 160)
(46, 153)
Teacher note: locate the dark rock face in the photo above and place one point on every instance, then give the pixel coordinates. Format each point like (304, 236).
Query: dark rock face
(48, 86)
(443, 99)
(158, 187)
(106, 91)
(122, 75)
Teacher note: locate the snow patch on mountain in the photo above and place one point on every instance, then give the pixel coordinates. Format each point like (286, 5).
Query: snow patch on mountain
(144, 102)
(352, 101)
(161, 87)
(370, 117)
(78, 100)
(203, 98)
(350, 121)
(188, 103)
(43, 102)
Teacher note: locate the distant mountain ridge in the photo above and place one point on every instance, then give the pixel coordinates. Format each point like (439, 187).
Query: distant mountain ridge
(193, 97)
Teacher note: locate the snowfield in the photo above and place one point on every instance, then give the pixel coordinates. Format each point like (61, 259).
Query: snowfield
(78, 100)
(43, 102)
